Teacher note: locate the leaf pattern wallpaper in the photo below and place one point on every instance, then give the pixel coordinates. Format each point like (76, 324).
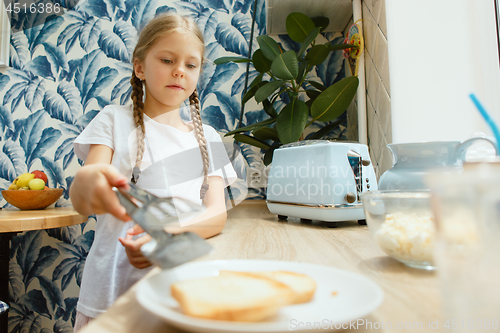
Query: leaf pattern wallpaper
(62, 73)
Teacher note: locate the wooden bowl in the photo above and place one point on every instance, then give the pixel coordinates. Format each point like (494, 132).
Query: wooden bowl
(32, 199)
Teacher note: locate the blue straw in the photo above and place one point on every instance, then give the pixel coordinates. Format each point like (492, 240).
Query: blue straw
(488, 119)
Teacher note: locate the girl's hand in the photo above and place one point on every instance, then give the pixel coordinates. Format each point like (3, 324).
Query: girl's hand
(91, 191)
(133, 251)
(135, 230)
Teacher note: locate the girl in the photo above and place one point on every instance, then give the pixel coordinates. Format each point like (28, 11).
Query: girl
(162, 154)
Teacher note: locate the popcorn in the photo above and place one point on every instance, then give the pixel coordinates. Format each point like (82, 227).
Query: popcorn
(407, 237)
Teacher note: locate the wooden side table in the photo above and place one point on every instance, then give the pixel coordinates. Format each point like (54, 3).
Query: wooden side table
(13, 221)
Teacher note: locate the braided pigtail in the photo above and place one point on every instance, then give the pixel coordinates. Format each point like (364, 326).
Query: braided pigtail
(202, 141)
(137, 94)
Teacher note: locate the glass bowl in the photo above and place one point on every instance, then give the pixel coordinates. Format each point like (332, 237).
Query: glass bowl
(402, 225)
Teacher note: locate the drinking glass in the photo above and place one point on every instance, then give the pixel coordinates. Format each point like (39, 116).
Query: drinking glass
(466, 208)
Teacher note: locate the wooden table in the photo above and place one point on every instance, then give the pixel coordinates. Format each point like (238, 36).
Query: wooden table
(13, 221)
(252, 232)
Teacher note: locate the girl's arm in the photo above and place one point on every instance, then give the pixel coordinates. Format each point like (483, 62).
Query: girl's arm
(91, 190)
(206, 225)
(209, 223)
(212, 221)
(91, 193)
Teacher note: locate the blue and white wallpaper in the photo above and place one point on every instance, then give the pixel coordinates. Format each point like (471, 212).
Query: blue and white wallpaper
(62, 73)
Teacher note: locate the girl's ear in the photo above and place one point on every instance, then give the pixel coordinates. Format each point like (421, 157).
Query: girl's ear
(139, 69)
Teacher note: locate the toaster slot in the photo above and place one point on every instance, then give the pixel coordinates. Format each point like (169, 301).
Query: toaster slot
(355, 162)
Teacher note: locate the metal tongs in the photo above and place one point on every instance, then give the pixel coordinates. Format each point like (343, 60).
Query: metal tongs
(153, 213)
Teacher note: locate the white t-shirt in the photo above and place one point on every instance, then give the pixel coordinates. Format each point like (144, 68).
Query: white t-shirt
(172, 166)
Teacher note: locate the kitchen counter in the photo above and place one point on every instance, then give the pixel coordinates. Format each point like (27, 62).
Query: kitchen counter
(411, 299)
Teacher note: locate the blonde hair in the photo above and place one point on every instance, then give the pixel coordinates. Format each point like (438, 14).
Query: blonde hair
(149, 36)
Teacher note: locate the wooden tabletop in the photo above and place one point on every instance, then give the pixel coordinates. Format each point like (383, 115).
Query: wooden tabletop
(411, 296)
(15, 220)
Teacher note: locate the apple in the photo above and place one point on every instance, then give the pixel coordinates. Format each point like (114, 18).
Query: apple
(36, 184)
(41, 175)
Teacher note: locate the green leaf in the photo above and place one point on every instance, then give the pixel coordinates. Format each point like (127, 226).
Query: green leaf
(321, 22)
(336, 47)
(251, 141)
(252, 127)
(317, 54)
(326, 129)
(285, 66)
(317, 85)
(251, 92)
(335, 99)
(268, 107)
(266, 133)
(302, 72)
(266, 90)
(299, 26)
(270, 49)
(223, 60)
(309, 103)
(292, 94)
(309, 39)
(258, 79)
(292, 120)
(268, 156)
(313, 94)
(261, 63)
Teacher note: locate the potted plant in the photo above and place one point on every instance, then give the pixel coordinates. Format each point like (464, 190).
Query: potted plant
(283, 75)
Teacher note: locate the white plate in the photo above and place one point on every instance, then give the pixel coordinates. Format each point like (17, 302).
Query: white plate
(340, 297)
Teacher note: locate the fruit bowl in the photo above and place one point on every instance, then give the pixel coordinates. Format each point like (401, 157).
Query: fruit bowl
(32, 199)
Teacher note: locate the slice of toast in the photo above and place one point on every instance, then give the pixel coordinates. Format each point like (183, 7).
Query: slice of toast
(302, 285)
(232, 296)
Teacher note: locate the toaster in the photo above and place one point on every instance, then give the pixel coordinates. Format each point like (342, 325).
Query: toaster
(320, 180)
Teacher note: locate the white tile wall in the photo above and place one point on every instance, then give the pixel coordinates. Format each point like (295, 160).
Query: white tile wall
(378, 91)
